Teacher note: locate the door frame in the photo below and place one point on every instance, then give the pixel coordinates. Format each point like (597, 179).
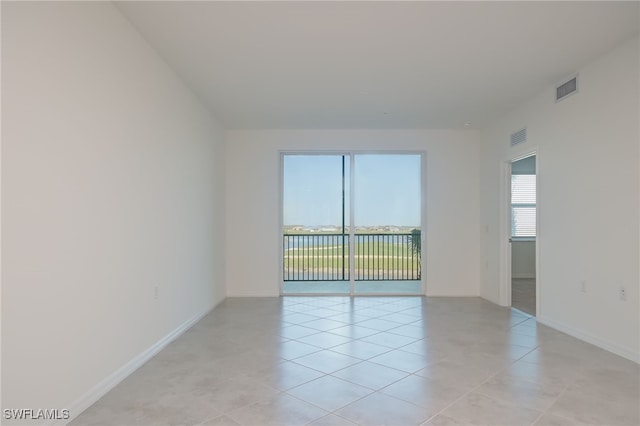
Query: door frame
(504, 229)
(352, 154)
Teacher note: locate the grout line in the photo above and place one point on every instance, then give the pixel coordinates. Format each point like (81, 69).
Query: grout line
(481, 384)
(468, 315)
(546, 411)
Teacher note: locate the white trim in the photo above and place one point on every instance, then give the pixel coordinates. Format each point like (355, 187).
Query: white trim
(424, 255)
(241, 295)
(622, 351)
(504, 231)
(352, 221)
(111, 381)
(504, 234)
(281, 224)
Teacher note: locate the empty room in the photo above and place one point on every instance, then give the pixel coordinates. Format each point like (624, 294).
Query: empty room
(320, 213)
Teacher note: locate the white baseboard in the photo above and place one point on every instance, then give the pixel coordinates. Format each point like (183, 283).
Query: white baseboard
(247, 295)
(523, 276)
(111, 381)
(624, 352)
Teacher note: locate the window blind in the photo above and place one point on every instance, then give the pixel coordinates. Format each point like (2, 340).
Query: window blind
(523, 206)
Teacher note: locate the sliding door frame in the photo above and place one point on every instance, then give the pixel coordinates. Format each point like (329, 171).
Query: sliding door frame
(351, 154)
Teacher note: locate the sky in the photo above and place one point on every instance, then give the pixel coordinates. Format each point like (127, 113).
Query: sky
(386, 190)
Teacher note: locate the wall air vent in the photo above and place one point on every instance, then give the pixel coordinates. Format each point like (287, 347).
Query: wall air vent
(519, 137)
(567, 88)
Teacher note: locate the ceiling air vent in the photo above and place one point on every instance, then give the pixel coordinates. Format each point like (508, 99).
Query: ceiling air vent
(567, 88)
(519, 137)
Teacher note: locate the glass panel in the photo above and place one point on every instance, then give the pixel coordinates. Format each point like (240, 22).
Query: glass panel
(316, 233)
(387, 205)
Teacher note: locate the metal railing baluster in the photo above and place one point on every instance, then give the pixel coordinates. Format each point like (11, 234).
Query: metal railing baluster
(378, 257)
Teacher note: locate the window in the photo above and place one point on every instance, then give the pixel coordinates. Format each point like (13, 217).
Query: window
(523, 206)
(352, 223)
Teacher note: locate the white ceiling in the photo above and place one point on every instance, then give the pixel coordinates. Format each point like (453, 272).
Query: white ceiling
(376, 64)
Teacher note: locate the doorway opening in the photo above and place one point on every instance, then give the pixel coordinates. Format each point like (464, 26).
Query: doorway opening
(523, 234)
(351, 223)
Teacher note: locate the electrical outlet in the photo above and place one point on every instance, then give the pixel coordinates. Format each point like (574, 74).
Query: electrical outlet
(155, 292)
(583, 286)
(623, 294)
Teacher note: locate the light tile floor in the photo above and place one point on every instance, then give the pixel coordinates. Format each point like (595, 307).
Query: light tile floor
(373, 361)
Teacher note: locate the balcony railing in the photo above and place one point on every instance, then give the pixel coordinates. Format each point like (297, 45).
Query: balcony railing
(325, 257)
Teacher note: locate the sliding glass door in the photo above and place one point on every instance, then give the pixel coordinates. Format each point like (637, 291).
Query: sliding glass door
(329, 247)
(387, 240)
(316, 224)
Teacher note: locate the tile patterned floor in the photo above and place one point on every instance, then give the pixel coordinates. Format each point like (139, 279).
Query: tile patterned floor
(373, 361)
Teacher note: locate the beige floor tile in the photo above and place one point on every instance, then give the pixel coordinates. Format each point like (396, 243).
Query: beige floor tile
(551, 420)
(491, 365)
(425, 393)
(329, 393)
(379, 409)
(105, 413)
(349, 317)
(441, 420)
(608, 382)
(512, 352)
(585, 407)
(354, 331)
(295, 349)
(389, 340)
(286, 375)
(220, 421)
(238, 392)
(479, 409)
(409, 331)
(327, 361)
(452, 373)
(432, 351)
(400, 360)
(324, 324)
(379, 324)
(399, 317)
(545, 375)
(298, 318)
(324, 340)
(360, 349)
(521, 392)
(322, 312)
(296, 331)
(373, 376)
(279, 410)
(332, 420)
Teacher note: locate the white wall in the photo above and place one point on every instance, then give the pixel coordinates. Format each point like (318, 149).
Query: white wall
(113, 181)
(253, 204)
(587, 202)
